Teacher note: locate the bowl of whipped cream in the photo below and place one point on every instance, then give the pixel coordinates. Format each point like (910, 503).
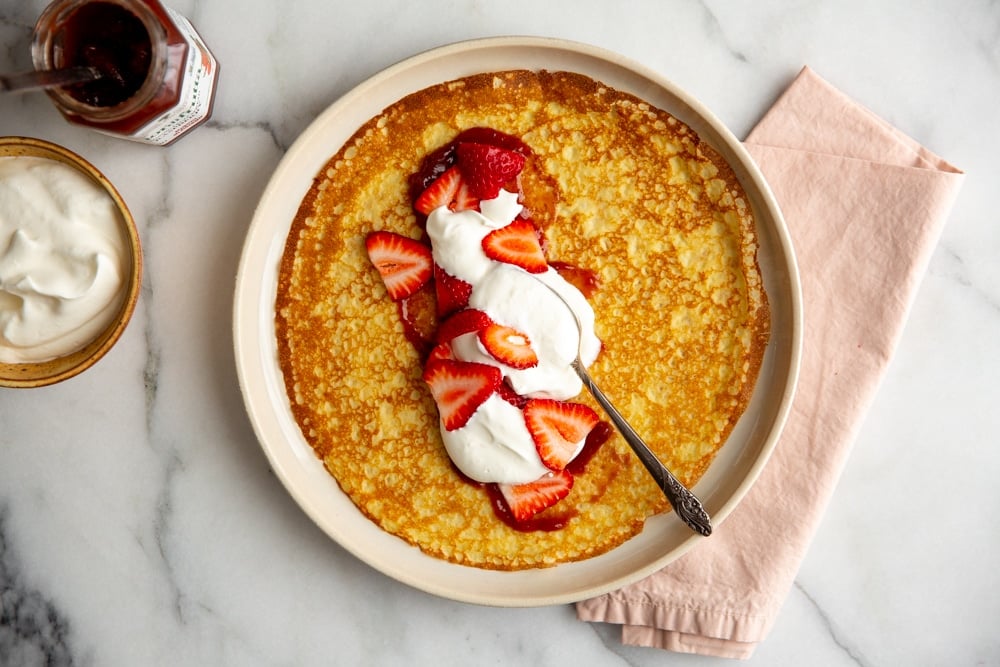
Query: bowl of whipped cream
(70, 263)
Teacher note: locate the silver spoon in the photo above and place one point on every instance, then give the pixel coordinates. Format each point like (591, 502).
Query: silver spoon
(12, 83)
(685, 503)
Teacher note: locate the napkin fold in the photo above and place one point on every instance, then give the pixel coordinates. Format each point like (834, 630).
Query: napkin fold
(865, 205)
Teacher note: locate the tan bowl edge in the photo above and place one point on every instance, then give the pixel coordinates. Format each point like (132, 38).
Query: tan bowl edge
(28, 375)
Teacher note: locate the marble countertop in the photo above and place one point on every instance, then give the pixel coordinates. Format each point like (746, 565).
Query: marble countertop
(140, 523)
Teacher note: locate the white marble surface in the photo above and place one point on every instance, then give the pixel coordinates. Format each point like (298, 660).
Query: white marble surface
(140, 524)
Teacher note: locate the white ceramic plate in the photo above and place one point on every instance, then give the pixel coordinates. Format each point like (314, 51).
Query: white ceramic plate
(664, 538)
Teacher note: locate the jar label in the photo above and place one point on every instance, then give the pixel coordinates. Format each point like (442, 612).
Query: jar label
(195, 101)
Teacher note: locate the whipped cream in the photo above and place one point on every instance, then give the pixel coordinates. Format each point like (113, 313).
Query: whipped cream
(495, 445)
(62, 259)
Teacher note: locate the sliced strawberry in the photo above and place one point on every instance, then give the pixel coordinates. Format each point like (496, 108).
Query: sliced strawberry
(508, 346)
(404, 264)
(449, 189)
(452, 293)
(558, 428)
(459, 388)
(516, 243)
(462, 322)
(439, 161)
(526, 500)
(507, 393)
(486, 168)
(464, 199)
(440, 352)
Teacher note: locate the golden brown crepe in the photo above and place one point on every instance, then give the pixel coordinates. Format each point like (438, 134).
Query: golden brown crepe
(620, 189)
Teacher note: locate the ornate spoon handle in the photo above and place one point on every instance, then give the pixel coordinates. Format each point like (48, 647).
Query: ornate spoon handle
(685, 504)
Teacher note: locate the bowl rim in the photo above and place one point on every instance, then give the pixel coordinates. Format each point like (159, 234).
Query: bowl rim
(44, 373)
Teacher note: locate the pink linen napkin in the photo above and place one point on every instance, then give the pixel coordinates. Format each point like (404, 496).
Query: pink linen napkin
(865, 205)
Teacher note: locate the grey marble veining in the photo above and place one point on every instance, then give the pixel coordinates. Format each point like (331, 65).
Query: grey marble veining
(140, 523)
(32, 629)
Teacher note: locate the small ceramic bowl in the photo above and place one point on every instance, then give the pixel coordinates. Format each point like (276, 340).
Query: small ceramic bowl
(38, 374)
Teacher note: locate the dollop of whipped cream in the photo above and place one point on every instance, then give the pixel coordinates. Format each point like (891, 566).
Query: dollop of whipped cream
(62, 259)
(495, 445)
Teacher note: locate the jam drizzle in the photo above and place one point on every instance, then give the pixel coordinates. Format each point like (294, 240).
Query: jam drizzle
(417, 313)
(585, 280)
(599, 435)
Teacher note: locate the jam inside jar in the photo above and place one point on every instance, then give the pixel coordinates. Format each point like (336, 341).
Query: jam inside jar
(112, 40)
(157, 76)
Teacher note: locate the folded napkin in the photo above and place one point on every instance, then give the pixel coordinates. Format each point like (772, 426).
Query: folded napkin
(865, 206)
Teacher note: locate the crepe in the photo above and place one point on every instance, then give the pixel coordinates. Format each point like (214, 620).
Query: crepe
(624, 193)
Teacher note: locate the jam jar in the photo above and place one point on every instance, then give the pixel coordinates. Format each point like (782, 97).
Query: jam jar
(157, 77)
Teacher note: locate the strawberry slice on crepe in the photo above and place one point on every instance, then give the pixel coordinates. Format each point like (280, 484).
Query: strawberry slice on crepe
(508, 346)
(487, 168)
(517, 244)
(405, 264)
(558, 429)
(459, 388)
(526, 500)
(452, 293)
(449, 189)
(462, 322)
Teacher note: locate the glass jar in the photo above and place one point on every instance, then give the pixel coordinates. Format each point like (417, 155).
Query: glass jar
(158, 77)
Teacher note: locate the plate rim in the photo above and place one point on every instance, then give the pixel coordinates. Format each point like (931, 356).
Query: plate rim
(245, 295)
